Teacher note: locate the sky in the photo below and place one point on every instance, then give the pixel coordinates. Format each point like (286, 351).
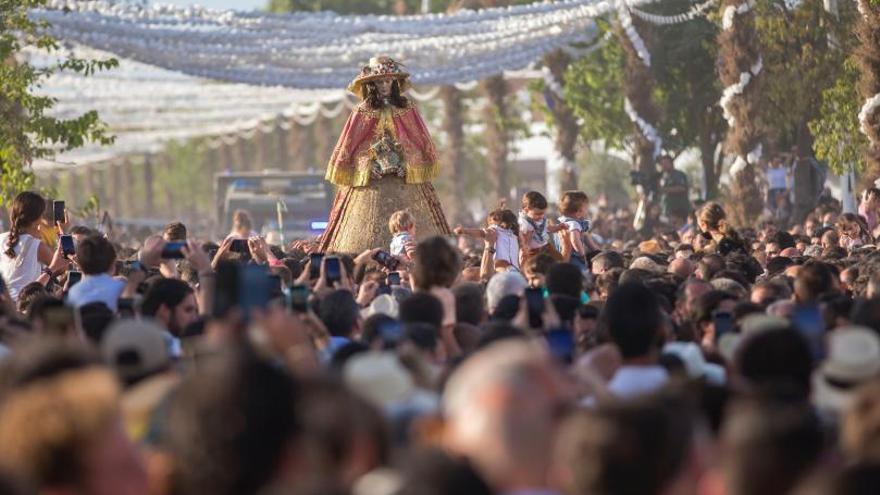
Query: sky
(221, 4)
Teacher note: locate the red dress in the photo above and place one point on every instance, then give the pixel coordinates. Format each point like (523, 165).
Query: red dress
(364, 202)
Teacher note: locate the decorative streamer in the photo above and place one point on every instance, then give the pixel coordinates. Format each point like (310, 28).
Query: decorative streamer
(698, 10)
(626, 23)
(647, 130)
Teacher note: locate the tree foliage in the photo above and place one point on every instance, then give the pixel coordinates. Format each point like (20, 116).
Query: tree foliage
(27, 131)
(838, 139)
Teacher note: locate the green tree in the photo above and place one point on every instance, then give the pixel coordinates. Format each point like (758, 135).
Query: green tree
(27, 131)
(838, 139)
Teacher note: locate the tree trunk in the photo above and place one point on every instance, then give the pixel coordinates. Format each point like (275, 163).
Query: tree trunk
(868, 54)
(497, 137)
(738, 54)
(148, 186)
(452, 156)
(564, 120)
(638, 86)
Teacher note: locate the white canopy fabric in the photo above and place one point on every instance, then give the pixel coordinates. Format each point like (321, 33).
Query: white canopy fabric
(190, 72)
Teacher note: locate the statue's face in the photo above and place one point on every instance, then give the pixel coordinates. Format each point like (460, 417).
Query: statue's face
(384, 86)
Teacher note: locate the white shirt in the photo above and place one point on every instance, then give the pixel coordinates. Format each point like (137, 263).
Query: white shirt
(398, 243)
(506, 246)
(776, 178)
(24, 268)
(634, 381)
(573, 226)
(525, 227)
(96, 288)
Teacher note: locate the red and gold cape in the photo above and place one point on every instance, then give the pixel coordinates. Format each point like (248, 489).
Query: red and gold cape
(351, 162)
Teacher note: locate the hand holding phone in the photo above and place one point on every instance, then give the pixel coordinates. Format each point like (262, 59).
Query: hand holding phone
(299, 299)
(58, 212)
(385, 259)
(315, 260)
(332, 270)
(68, 248)
(173, 251)
(394, 279)
(535, 305)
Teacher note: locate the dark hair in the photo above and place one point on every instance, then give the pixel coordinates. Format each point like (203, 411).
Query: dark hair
(505, 219)
(28, 295)
(469, 303)
(771, 446)
(813, 279)
(776, 362)
(175, 231)
(634, 332)
(534, 199)
(608, 260)
(422, 307)
(572, 201)
(783, 239)
(434, 472)
(232, 421)
(168, 292)
(95, 255)
(565, 278)
(339, 312)
(27, 208)
(95, 317)
(437, 264)
(627, 447)
(370, 94)
(370, 331)
(422, 335)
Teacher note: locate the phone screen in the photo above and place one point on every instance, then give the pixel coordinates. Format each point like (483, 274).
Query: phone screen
(332, 270)
(67, 245)
(254, 288)
(723, 322)
(239, 246)
(73, 278)
(535, 305)
(173, 250)
(315, 260)
(58, 211)
(385, 259)
(561, 343)
(299, 298)
(808, 321)
(394, 278)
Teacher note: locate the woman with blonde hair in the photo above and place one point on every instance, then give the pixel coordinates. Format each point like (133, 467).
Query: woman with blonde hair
(712, 220)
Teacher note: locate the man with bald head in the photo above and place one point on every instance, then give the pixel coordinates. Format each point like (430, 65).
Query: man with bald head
(681, 267)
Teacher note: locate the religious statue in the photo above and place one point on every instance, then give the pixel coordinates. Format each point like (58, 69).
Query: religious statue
(384, 161)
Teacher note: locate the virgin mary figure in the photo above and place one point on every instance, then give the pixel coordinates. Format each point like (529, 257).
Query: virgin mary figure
(384, 161)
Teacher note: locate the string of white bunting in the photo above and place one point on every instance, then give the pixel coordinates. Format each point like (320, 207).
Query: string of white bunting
(323, 49)
(728, 16)
(698, 10)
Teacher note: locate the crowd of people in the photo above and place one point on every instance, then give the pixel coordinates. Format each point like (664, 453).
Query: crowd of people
(554, 350)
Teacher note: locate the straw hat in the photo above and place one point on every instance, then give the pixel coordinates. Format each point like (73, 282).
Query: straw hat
(377, 68)
(853, 358)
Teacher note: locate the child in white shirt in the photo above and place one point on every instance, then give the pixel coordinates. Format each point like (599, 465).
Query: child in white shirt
(403, 228)
(505, 252)
(573, 207)
(534, 228)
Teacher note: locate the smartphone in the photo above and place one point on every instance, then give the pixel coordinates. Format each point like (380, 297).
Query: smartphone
(723, 322)
(73, 278)
(67, 245)
(394, 279)
(809, 322)
(299, 298)
(246, 287)
(173, 250)
(535, 304)
(125, 307)
(58, 211)
(134, 266)
(315, 260)
(332, 269)
(561, 344)
(239, 246)
(391, 333)
(384, 288)
(385, 259)
(254, 288)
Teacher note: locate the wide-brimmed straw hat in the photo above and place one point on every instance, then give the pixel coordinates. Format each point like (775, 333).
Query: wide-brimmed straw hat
(377, 68)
